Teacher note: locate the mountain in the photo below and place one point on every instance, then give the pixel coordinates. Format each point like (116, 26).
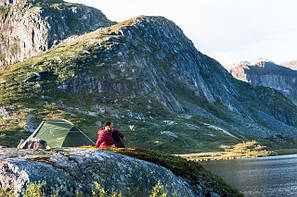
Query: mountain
(147, 77)
(268, 74)
(290, 64)
(29, 27)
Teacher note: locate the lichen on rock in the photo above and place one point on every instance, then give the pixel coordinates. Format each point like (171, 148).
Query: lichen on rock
(80, 168)
(70, 170)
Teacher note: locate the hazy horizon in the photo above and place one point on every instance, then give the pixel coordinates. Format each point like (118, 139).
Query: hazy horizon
(228, 30)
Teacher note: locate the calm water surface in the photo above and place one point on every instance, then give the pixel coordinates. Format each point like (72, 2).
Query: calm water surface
(265, 176)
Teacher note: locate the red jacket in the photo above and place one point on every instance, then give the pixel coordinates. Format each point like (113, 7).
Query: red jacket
(105, 138)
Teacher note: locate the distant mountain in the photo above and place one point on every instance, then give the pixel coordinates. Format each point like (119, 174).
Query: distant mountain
(248, 63)
(268, 74)
(147, 77)
(290, 64)
(29, 27)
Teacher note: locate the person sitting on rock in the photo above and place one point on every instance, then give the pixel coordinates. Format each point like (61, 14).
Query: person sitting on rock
(109, 137)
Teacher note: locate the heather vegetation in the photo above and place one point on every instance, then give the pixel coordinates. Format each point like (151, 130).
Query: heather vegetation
(37, 190)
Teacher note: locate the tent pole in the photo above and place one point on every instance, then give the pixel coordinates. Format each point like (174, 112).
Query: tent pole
(86, 136)
(79, 131)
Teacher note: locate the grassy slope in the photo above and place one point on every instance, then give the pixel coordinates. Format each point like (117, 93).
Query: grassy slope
(242, 150)
(67, 60)
(85, 55)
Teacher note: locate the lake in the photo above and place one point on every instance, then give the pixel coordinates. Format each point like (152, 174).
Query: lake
(264, 176)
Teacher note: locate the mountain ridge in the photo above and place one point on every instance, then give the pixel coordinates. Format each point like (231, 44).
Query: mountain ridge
(290, 64)
(143, 72)
(269, 74)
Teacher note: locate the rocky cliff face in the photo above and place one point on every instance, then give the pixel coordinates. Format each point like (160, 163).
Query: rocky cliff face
(77, 169)
(28, 27)
(156, 60)
(269, 74)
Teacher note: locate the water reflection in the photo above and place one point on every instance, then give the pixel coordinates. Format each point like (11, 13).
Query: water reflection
(266, 176)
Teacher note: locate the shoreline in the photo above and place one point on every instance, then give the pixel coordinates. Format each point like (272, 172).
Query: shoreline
(218, 156)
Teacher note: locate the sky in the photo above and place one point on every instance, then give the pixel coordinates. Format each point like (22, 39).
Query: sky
(228, 30)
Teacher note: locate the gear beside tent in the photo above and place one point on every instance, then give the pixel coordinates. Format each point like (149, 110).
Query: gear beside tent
(61, 133)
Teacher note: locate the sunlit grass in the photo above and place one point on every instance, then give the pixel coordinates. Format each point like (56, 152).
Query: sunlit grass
(242, 150)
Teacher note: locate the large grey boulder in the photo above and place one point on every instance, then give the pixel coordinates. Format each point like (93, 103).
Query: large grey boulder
(78, 168)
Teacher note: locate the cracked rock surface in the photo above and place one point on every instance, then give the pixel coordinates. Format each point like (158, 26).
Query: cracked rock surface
(78, 168)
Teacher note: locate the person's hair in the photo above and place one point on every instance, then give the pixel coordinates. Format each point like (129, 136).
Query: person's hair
(106, 123)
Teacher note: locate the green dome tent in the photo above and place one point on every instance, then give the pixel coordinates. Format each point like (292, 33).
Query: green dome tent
(61, 133)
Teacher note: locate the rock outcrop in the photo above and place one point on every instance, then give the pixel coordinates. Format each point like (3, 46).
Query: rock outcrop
(268, 74)
(77, 169)
(28, 27)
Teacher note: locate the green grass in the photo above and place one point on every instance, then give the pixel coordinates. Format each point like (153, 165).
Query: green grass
(11, 138)
(146, 134)
(4, 11)
(242, 150)
(286, 151)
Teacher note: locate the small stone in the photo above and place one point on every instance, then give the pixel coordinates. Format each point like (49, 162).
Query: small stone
(5, 114)
(98, 123)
